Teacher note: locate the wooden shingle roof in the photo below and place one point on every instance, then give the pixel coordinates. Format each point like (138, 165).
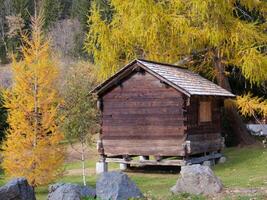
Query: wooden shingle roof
(182, 79)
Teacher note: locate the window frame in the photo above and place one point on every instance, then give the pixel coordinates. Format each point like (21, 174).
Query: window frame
(209, 121)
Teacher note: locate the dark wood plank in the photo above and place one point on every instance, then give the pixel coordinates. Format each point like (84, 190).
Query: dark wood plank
(201, 137)
(204, 137)
(143, 147)
(143, 103)
(151, 110)
(141, 116)
(142, 95)
(148, 162)
(128, 131)
(145, 137)
(148, 116)
(197, 147)
(143, 122)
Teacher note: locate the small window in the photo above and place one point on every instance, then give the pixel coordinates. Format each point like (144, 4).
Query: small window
(204, 111)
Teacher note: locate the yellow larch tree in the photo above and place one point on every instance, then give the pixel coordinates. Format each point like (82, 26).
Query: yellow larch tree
(32, 148)
(252, 106)
(207, 36)
(221, 33)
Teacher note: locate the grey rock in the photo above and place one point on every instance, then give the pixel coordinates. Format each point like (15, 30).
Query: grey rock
(208, 163)
(222, 160)
(197, 179)
(67, 191)
(116, 186)
(17, 189)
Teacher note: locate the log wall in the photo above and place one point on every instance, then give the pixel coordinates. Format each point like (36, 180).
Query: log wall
(204, 136)
(143, 116)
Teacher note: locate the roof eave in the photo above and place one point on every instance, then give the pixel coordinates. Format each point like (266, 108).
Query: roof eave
(222, 96)
(104, 85)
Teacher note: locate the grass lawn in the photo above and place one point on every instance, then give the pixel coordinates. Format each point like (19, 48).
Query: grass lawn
(245, 168)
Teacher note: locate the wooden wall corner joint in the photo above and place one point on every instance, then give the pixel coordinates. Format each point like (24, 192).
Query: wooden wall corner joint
(187, 147)
(223, 142)
(99, 104)
(187, 102)
(99, 147)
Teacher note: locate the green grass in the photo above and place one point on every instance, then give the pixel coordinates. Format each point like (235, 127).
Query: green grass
(89, 164)
(77, 165)
(245, 167)
(2, 178)
(257, 197)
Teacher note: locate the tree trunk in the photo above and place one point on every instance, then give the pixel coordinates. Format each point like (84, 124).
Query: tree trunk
(83, 164)
(238, 127)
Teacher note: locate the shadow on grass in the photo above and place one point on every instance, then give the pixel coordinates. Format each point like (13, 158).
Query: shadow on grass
(154, 169)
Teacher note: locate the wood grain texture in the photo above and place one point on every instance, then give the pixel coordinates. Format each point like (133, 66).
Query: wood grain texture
(204, 136)
(148, 162)
(145, 147)
(141, 116)
(197, 147)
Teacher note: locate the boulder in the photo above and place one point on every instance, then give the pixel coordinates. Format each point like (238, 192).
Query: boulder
(222, 160)
(17, 189)
(197, 179)
(116, 186)
(208, 163)
(67, 191)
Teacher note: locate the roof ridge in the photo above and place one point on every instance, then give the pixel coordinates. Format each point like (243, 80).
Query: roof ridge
(162, 63)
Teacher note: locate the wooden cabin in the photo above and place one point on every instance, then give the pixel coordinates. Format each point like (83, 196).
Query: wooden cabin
(159, 110)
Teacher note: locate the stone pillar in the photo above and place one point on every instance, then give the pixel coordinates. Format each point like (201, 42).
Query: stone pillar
(101, 166)
(123, 166)
(143, 158)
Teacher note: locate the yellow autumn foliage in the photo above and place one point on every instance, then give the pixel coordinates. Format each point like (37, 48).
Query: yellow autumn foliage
(249, 105)
(32, 148)
(168, 31)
